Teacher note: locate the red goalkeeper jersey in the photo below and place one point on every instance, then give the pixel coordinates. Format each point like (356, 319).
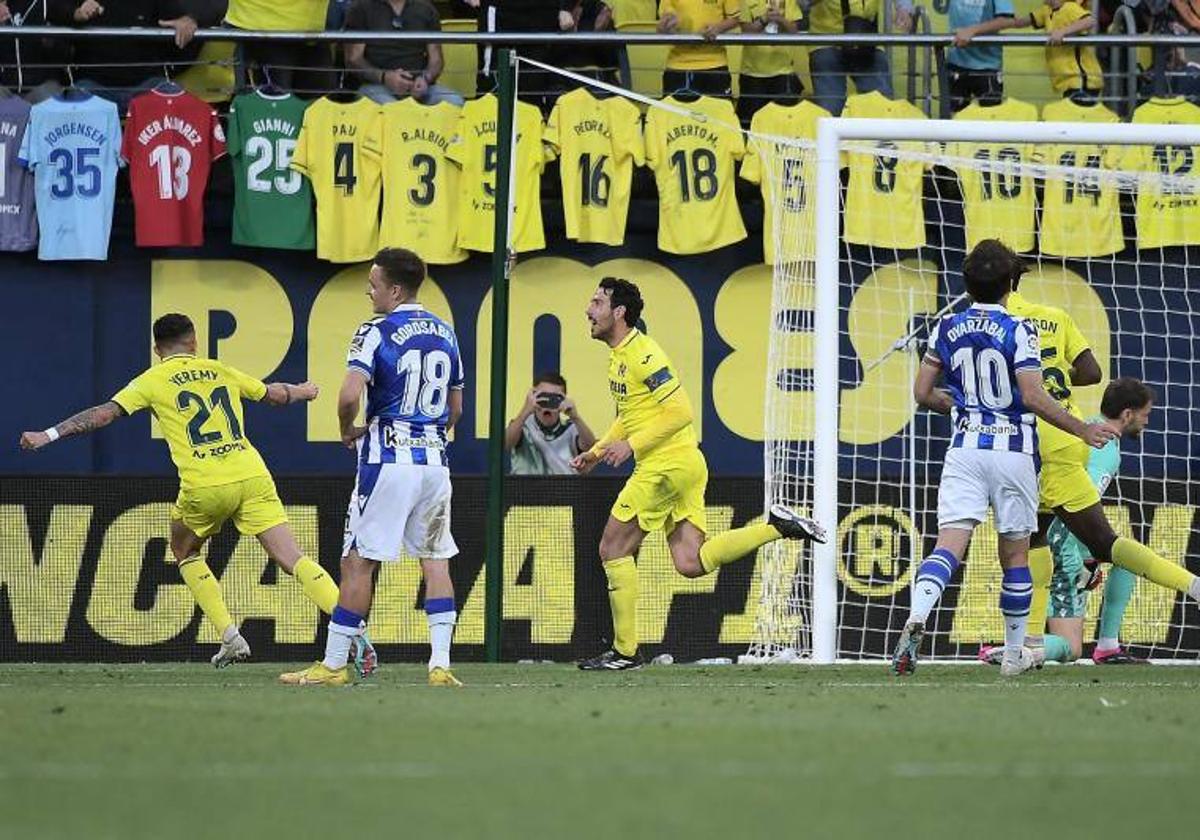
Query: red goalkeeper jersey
(171, 140)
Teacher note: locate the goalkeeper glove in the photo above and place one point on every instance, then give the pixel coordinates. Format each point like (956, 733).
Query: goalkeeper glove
(1090, 576)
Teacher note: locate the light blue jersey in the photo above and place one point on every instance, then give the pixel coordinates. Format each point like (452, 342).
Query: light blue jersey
(968, 13)
(412, 363)
(981, 351)
(73, 148)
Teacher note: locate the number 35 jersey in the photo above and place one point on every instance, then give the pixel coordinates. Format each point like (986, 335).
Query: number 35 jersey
(73, 148)
(171, 140)
(411, 361)
(340, 151)
(420, 201)
(272, 203)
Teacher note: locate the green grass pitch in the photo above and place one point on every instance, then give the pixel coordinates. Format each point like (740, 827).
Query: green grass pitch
(537, 751)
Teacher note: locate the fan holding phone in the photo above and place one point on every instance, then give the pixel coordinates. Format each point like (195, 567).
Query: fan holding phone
(548, 432)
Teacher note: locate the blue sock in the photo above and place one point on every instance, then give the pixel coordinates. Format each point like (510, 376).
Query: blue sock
(1118, 589)
(935, 572)
(344, 626)
(1016, 593)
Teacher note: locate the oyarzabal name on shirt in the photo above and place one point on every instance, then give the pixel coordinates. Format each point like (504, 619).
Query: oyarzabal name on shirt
(976, 325)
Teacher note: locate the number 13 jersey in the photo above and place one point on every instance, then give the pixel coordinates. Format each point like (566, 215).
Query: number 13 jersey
(272, 203)
(420, 201)
(340, 151)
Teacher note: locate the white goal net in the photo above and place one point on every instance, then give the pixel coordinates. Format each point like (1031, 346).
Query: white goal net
(1110, 230)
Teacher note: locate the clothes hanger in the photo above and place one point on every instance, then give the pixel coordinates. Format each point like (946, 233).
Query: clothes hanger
(167, 86)
(268, 87)
(72, 92)
(686, 93)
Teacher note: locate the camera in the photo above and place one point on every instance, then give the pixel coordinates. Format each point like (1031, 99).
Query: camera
(549, 400)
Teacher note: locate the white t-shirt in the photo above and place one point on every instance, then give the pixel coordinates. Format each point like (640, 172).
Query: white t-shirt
(542, 451)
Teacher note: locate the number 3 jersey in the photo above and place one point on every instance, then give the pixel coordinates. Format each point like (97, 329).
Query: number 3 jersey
(74, 149)
(272, 203)
(171, 140)
(198, 403)
(980, 352)
(411, 361)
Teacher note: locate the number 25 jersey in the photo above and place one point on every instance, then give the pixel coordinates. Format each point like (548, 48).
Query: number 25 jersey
(693, 162)
(340, 151)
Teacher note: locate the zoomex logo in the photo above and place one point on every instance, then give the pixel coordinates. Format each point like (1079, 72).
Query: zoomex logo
(876, 547)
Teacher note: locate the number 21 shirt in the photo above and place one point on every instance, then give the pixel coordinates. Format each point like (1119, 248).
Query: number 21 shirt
(171, 140)
(340, 151)
(73, 148)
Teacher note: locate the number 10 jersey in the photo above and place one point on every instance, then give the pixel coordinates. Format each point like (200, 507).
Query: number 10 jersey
(272, 204)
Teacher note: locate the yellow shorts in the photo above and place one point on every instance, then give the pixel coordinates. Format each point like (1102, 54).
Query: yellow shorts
(252, 504)
(1064, 480)
(665, 492)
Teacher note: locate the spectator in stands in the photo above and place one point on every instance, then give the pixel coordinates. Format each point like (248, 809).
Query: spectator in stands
(701, 69)
(975, 72)
(541, 441)
(27, 66)
(300, 67)
(390, 71)
(867, 64)
(126, 67)
(597, 61)
(1074, 69)
(523, 16)
(767, 74)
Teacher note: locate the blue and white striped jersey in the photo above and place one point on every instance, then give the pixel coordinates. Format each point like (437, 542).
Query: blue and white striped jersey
(980, 351)
(412, 363)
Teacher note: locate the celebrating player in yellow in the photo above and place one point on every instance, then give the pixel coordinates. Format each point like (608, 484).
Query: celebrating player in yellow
(654, 426)
(198, 403)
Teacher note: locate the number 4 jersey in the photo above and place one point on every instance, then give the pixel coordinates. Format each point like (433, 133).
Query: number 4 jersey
(74, 149)
(171, 140)
(272, 203)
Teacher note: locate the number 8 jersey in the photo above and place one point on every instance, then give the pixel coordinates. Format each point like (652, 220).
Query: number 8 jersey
(411, 361)
(981, 351)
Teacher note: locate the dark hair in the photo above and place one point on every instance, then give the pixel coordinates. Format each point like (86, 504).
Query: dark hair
(172, 328)
(1125, 392)
(988, 271)
(551, 377)
(401, 267)
(624, 293)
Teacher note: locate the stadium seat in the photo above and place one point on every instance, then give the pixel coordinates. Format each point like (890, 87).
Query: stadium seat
(462, 60)
(212, 78)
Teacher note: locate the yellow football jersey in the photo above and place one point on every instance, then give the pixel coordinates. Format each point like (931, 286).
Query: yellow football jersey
(640, 377)
(1081, 212)
(198, 403)
(599, 141)
(767, 61)
(794, 168)
(1166, 214)
(1072, 66)
(340, 151)
(826, 17)
(998, 201)
(474, 150)
(883, 201)
(420, 201)
(1062, 343)
(694, 16)
(271, 15)
(693, 163)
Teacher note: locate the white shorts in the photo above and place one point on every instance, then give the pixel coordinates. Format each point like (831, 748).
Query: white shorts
(400, 508)
(974, 478)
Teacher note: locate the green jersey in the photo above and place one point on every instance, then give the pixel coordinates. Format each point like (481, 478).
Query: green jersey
(272, 205)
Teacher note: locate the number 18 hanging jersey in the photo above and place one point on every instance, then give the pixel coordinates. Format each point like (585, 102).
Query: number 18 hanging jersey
(171, 140)
(340, 151)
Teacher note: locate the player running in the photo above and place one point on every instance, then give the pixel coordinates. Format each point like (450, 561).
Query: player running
(1126, 408)
(991, 361)
(407, 363)
(198, 404)
(666, 491)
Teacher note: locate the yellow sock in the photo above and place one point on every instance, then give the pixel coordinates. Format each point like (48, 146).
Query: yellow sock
(317, 584)
(207, 592)
(1143, 562)
(734, 545)
(1041, 567)
(623, 597)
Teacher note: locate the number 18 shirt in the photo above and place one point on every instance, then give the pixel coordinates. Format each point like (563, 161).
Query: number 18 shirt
(171, 140)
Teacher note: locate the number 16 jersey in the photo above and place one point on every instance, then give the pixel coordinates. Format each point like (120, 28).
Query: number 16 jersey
(340, 152)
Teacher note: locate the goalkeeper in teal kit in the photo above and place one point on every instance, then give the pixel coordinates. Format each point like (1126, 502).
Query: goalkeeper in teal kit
(1126, 408)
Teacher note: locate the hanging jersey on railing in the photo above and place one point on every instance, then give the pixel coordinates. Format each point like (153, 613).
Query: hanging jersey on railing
(18, 216)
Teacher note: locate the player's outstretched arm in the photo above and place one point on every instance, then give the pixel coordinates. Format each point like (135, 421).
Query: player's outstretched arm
(1033, 394)
(285, 393)
(454, 403)
(88, 420)
(926, 394)
(586, 461)
(349, 402)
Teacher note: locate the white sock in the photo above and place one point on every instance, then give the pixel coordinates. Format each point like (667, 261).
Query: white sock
(1014, 634)
(441, 631)
(1108, 644)
(1194, 589)
(231, 633)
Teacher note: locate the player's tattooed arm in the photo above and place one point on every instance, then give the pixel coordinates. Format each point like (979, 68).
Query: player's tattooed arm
(283, 393)
(88, 420)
